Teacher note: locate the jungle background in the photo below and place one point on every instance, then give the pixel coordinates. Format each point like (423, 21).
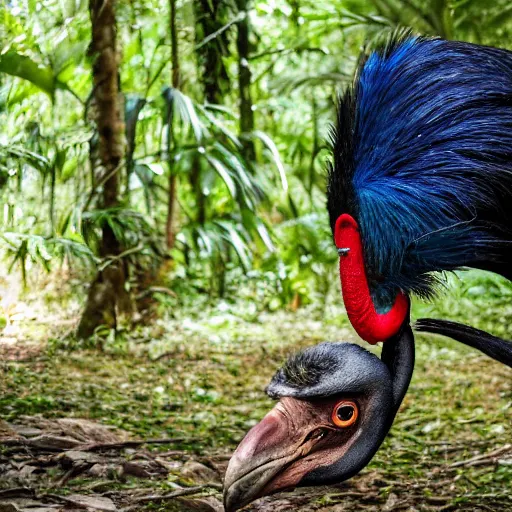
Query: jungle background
(165, 245)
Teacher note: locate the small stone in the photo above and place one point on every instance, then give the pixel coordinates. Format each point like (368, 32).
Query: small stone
(99, 470)
(24, 431)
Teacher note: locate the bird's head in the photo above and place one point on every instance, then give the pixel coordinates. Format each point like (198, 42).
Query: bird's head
(336, 403)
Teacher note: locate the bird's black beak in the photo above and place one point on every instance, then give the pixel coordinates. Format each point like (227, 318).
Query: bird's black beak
(260, 463)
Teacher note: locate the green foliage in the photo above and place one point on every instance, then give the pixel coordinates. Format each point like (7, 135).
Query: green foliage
(22, 66)
(306, 258)
(22, 248)
(241, 216)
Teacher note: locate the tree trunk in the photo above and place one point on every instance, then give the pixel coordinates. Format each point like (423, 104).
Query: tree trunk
(244, 76)
(211, 44)
(107, 296)
(211, 18)
(170, 230)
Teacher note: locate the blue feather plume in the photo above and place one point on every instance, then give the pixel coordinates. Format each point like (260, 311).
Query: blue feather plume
(422, 159)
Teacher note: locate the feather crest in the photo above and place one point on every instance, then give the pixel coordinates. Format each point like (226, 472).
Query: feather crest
(423, 161)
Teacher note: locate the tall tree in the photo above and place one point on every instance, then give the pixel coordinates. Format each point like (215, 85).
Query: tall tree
(107, 296)
(211, 45)
(244, 73)
(176, 81)
(211, 34)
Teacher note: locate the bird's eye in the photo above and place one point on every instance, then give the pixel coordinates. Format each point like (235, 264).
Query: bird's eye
(345, 413)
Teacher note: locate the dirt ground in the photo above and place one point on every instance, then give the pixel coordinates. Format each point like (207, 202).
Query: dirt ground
(147, 421)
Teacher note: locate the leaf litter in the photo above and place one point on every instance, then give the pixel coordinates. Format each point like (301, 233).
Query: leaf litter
(149, 421)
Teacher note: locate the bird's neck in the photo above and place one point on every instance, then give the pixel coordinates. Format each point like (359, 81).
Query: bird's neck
(398, 356)
(368, 323)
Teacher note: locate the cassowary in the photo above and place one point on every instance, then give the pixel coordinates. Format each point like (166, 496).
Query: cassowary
(337, 402)
(421, 182)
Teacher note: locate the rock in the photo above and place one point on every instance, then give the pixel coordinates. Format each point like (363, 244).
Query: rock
(73, 457)
(199, 473)
(99, 471)
(26, 431)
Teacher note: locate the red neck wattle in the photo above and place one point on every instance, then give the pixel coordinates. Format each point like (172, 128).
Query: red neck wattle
(370, 325)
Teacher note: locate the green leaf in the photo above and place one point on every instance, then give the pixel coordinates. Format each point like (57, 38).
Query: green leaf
(24, 67)
(155, 168)
(223, 172)
(36, 160)
(269, 143)
(265, 235)
(235, 164)
(132, 108)
(206, 241)
(220, 126)
(233, 238)
(187, 113)
(66, 57)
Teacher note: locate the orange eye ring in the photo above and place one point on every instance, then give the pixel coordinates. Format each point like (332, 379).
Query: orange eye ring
(345, 413)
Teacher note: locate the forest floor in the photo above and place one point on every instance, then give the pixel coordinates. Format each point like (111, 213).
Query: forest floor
(148, 420)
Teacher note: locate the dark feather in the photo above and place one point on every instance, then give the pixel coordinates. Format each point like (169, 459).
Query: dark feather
(307, 367)
(327, 369)
(494, 347)
(423, 162)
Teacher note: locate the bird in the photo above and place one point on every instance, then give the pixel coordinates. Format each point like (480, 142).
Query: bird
(336, 403)
(420, 181)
